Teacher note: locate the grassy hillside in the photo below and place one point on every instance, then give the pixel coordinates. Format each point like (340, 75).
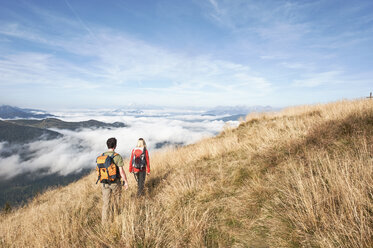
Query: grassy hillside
(299, 178)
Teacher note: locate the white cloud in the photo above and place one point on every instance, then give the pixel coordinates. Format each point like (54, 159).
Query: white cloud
(104, 56)
(16, 30)
(78, 149)
(296, 65)
(214, 4)
(283, 32)
(318, 79)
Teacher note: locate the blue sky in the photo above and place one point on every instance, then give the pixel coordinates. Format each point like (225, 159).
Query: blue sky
(94, 54)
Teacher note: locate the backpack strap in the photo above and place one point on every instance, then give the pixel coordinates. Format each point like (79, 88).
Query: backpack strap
(144, 151)
(133, 157)
(99, 172)
(117, 167)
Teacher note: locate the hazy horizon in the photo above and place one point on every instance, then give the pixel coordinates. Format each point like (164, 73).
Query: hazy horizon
(141, 107)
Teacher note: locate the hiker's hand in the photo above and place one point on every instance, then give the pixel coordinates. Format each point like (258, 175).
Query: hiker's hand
(148, 173)
(125, 185)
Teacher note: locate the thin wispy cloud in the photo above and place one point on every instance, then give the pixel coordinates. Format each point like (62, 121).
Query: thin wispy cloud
(79, 19)
(296, 65)
(318, 79)
(122, 61)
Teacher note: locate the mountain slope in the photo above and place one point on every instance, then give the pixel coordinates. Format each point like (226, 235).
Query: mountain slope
(23, 131)
(14, 133)
(9, 112)
(19, 189)
(299, 178)
(57, 123)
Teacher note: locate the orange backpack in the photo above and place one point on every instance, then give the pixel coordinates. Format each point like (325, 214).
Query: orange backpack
(107, 170)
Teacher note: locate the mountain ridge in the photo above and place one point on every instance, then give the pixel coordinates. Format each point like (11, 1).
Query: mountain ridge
(59, 124)
(11, 112)
(15, 133)
(26, 130)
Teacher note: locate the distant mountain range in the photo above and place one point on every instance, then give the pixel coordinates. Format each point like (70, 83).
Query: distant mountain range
(223, 113)
(235, 113)
(23, 131)
(15, 133)
(237, 110)
(57, 123)
(10, 112)
(232, 118)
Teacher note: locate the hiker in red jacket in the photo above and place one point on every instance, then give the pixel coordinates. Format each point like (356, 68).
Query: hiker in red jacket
(140, 164)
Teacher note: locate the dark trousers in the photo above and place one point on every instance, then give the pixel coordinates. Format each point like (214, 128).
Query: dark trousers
(140, 178)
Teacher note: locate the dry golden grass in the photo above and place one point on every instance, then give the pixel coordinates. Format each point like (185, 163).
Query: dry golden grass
(299, 178)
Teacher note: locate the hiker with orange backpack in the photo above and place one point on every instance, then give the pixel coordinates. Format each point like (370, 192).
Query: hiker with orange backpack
(110, 171)
(140, 165)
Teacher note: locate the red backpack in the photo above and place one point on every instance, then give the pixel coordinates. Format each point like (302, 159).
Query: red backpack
(139, 158)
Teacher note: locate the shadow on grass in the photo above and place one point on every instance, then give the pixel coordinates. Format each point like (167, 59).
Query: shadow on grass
(154, 182)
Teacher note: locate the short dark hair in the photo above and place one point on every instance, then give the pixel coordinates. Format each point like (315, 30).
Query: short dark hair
(111, 143)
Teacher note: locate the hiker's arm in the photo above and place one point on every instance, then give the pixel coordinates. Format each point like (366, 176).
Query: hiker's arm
(131, 162)
(147, 162)
(120, 164)
(123, 175)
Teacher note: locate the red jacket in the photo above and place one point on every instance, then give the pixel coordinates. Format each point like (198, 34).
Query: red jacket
(132, 169)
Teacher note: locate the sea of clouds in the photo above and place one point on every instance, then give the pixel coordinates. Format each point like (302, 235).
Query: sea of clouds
(78, 149)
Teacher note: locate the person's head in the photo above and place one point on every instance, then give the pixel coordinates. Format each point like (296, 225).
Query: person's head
(141, 143)
(111, 143)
